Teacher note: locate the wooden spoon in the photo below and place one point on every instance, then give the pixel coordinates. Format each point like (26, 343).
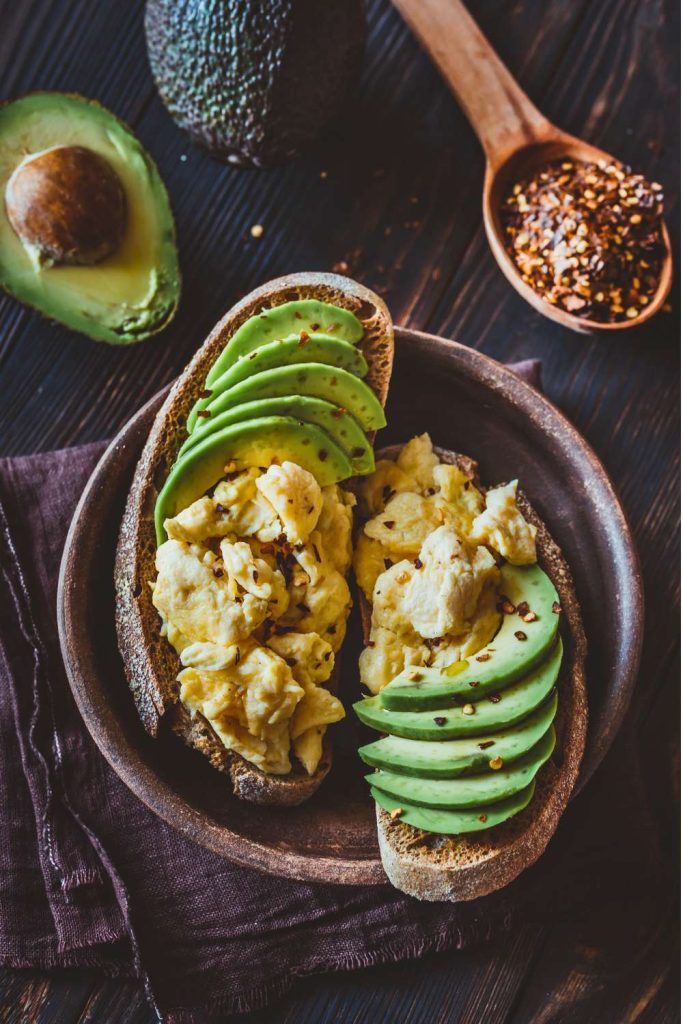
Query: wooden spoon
(514, 134)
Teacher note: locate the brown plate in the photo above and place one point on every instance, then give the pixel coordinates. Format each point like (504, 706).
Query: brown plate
(468, 403)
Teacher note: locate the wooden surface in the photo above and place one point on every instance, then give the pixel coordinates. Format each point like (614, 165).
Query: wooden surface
(399, 206)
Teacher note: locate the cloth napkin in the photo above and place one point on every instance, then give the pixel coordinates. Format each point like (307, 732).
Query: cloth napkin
(90, 877)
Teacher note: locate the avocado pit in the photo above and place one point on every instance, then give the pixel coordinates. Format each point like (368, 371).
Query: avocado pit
(68, 204)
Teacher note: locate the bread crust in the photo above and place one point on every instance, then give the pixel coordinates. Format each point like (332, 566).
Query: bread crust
(150, 663)
(432, 867)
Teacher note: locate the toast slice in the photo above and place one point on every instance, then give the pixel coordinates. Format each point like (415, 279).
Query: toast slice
(455, 868)
(151, 664)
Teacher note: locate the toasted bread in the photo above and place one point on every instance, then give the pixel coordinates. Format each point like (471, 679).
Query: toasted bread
(434, 867)
(150, 662)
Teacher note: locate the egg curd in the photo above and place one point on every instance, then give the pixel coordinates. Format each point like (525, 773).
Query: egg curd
(425, 560)
(252, 594)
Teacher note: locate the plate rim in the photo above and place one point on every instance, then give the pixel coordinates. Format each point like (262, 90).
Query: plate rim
(172, 807)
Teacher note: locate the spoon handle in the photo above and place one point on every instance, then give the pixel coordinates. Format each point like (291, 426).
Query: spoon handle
(499, 111)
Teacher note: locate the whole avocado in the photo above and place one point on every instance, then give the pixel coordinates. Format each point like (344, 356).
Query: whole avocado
(255, 82)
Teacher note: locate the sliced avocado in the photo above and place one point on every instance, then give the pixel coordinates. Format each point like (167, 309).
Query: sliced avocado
(326, 382)
(316, 348)
(283, 321)
(497, 711)
(132, 290)
(516, 647)
(472, 791)
(338, 423)
(454, 823)
(450, 759)
(254, 443)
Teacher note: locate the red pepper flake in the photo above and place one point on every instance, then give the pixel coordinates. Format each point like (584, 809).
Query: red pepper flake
(505, 605)
(432, 642)
(522, 607)
(520, 634)
(315, 327)
(486, 744)
(338, 412)
(203, 414)
(557, 607)
(205, 393)
(483, 817)
(475, 682)
(303, 338)
(529, 617)
(494, 698)
(482, 657)
(440, 720)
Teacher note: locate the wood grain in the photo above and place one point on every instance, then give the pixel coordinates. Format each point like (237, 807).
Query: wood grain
(400, 205)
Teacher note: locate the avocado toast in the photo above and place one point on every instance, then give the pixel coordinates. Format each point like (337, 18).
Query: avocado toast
(287, 428)
(478, 758)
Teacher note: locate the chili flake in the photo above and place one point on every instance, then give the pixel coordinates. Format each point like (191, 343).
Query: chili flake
(587, 237)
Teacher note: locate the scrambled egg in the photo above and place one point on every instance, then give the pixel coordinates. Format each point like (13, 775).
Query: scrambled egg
(423, 561)
(251, 592)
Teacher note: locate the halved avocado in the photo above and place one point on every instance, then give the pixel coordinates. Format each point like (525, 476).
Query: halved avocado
(516, 647)
(449, 759)
(338, 423)
(86, 230)
(487, 787)
(254, 443)
(313, 348)
(327, 382)
(497, 711)
(281, 321)
(456, 822)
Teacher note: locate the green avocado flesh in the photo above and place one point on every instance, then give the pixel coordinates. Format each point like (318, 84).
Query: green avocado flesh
(497, 711)
(314, 379)
(280, 322)
(339, 424)
(451, 759)
(473, 791)
(253, 443)
(456, 822)
(317, 349)
(134, 292)
(514, 650)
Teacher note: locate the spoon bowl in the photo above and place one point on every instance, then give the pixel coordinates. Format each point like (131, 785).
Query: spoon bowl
(516, 139)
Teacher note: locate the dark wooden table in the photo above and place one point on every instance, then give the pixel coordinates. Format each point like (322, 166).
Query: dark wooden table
(392, 197)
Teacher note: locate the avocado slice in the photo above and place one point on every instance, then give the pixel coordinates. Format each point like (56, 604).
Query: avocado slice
(497, 711)
(453, 823)
(472, 791)
(129, 294)
(315, 348)
(450, 759)
(515, 649)
(290, 318)
(327, 382)
(338, 423)
(257, 442)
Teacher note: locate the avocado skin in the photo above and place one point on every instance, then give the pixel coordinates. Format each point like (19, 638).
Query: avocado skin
(255, 82)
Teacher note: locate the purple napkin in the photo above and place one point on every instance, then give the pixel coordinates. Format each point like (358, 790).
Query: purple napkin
(90, 877)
